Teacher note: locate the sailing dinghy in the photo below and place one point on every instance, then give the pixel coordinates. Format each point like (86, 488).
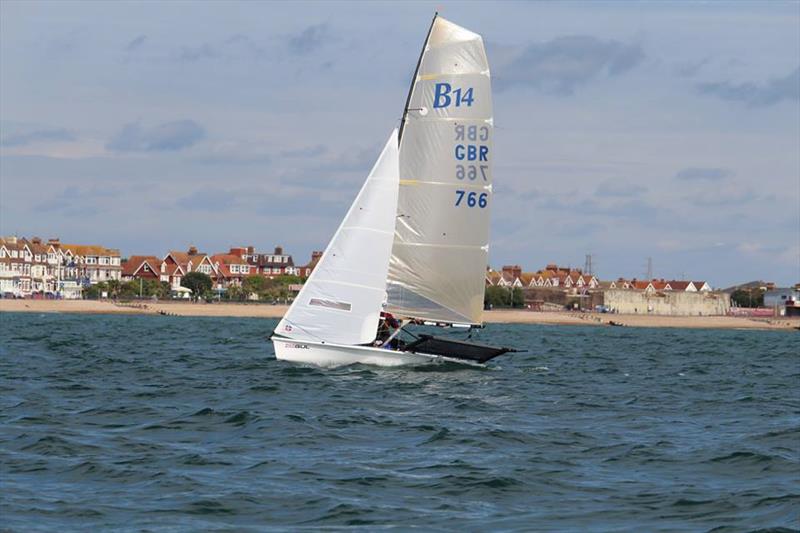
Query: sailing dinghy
(415, 241)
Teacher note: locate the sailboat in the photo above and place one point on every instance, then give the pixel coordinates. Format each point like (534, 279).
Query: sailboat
(415, 241)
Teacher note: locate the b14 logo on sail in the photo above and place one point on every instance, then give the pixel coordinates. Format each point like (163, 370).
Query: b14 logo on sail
(446, 95)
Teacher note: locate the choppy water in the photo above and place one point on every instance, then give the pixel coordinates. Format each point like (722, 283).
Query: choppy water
(142, 422)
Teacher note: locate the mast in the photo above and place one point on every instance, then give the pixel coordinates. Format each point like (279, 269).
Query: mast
(414, 79)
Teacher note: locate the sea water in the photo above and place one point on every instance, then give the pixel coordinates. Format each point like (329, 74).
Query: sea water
(153, 422)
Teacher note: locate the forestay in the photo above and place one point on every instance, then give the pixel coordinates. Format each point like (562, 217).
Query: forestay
(342, 299)
(441, 245)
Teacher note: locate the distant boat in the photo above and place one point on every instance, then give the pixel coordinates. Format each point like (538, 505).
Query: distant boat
(415, 241)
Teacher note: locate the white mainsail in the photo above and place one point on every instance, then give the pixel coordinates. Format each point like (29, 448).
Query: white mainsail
(341, 300)
(441, 243)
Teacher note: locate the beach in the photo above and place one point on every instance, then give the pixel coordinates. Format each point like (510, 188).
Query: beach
(508, 316)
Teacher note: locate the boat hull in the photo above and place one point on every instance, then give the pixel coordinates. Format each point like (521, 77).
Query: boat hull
(332, 355)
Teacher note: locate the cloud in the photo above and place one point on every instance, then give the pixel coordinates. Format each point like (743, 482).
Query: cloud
(235, 47)
(310, 39)
(169, 136)
(190, 54)
(619, 189)
(76, 201)
(234, 152)
(725, 198)
(562, 65)
(752, 95)
(208, 199)
(246, 44)
(690, 69)
(700, 174)
(306, 151)
(24, 139)
(136, 43)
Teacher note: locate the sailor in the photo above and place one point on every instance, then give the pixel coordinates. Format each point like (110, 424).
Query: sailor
(387, 325)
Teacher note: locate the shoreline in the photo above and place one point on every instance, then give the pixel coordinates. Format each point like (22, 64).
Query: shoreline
(507, 316)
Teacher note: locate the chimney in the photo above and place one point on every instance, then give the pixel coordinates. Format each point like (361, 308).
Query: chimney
(279, 250)
(514, 271)
(36, 240)
(192, 250)
(251, 250)
(316, 256)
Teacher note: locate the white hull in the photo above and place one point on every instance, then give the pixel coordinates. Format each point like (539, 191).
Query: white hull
(331, 355)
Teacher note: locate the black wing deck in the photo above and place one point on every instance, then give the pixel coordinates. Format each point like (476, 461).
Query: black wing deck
(467, 351)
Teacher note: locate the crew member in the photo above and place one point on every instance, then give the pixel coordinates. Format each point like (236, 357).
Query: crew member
(387, 325)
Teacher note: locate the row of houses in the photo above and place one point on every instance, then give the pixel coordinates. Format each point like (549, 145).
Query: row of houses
(225, 269)
(556, 277)
(32, 266)
(552, 276)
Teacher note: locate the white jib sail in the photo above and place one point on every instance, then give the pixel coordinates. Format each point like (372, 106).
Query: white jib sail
(341, 301)
(441, 246)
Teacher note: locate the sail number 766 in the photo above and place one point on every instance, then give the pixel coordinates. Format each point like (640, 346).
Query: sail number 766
(472, 199)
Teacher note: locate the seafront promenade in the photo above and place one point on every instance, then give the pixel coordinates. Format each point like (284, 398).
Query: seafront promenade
(256, 310)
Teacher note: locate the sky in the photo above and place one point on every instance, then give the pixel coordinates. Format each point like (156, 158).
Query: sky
(628, 131)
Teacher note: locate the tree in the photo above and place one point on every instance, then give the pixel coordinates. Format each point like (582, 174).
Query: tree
(198, 282)
(288, 279)
(129, 289)
(95, 291)
(503, 297)
(114, 288)
(517, 298)
(235, 292)
(254, 285)
(748, 297)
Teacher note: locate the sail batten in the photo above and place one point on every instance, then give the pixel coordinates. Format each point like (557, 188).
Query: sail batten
(440, 250)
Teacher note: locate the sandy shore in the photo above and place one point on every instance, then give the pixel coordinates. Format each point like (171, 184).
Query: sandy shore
(171, 308)
(497, 316)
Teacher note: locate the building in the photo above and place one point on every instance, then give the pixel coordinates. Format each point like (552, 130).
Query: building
(552, 276)
(35, 268)
(306, 270)
(702, 286)
(273, 264)
(177, 264)
(16, 261)
(94, 263)
(777, 298)
(141, 267)
(232, 267)
(224, 269)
